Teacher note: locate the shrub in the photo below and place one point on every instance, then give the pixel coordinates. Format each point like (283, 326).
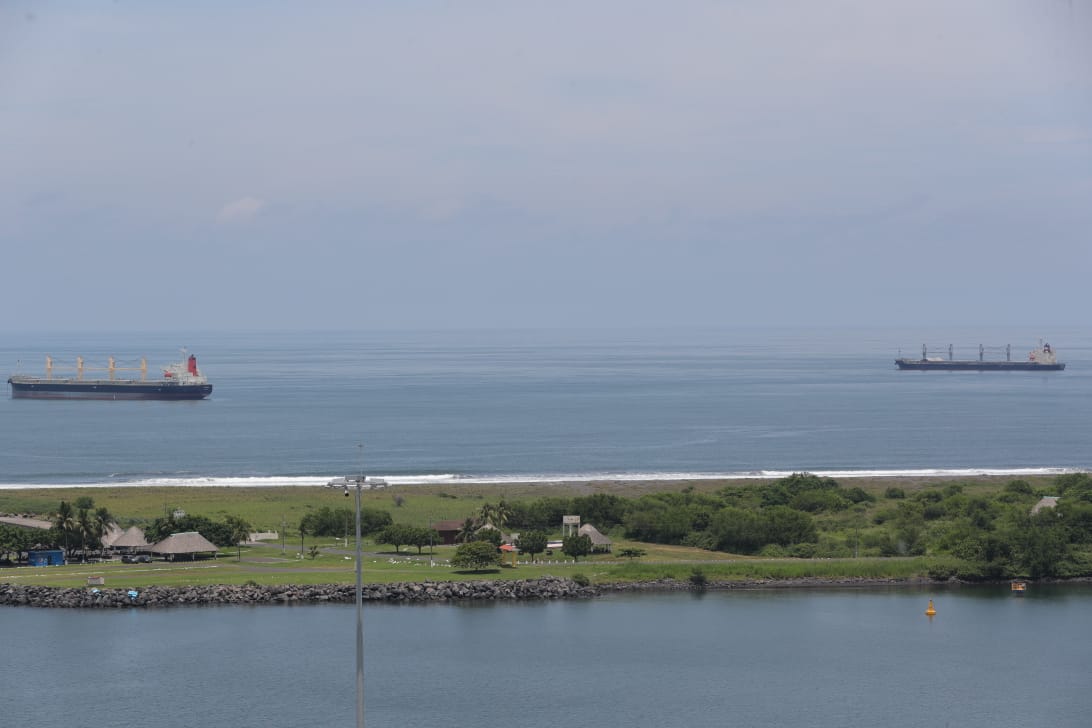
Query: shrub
(1019, 487)
(858, 495)
(933, 511)
(700, 540)
(803, 551)
(942, 571)
(894, 493)
(698, 579)
(580, 579)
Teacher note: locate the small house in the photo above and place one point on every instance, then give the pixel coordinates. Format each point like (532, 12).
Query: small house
(448, 530)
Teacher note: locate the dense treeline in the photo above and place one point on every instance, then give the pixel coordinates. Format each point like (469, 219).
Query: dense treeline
(15, 541)
(988, 536)
(327, 521)
(229, 532)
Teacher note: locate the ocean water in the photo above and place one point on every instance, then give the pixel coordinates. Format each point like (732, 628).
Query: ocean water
(300, 407)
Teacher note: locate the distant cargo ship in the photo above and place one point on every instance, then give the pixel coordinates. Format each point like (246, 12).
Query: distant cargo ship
(181, 380)
(1042, 359)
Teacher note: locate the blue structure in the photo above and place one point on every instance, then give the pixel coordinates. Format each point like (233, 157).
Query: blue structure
(46, 557)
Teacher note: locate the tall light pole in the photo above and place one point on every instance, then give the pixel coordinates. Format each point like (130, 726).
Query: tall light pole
(344, 483)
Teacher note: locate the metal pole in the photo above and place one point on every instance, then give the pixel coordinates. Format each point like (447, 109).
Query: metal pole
(359, 618)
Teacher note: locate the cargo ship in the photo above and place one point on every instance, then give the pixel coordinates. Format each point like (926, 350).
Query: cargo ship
(181, 380)
(1042, 359)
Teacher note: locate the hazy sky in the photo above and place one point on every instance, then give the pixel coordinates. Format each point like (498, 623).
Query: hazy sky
(505, 164)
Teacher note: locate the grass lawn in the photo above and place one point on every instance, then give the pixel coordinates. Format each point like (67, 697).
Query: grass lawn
(268, 508)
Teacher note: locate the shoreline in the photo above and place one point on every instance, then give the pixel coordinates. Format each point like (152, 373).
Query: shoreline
(604, 480)
(541, 589)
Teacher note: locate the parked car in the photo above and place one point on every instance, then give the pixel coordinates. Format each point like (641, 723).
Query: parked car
(136, 559)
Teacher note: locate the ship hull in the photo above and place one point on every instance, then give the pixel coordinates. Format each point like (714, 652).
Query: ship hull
(33, 388)
(977, 366)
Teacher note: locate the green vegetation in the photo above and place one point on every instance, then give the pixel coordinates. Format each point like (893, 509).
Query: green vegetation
(228, 532)
(327, 521)
(476, 556)
(576, 546)
(532, 542)
(401, 534)
(802, 526)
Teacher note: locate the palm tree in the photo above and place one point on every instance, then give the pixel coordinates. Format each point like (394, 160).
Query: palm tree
(502, 512)
(240, 531)
(495, 515)
(466, 533)
(86, 530)
(102, 520)
(64, 522)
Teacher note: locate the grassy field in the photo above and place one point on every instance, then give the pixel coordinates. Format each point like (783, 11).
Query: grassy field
(265, 565)
(267, 508)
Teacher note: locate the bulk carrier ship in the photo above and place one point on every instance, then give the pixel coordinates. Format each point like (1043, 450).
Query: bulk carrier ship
(1042, 359)
(181, 380)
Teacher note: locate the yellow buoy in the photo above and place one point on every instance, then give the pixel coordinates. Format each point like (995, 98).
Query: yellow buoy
(930, 612)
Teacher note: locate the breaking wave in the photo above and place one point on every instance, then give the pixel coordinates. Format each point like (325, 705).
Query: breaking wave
(455, 479)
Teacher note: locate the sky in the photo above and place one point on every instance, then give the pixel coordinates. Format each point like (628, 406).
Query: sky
(447, 165)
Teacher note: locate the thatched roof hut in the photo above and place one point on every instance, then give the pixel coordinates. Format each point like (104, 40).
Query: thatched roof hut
(113, 533)
(599, 542)
(179, 544)
(1047, 501)
(132, 538)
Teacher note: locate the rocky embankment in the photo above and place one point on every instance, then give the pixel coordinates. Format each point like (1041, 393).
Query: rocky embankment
(163, 596)
(810, 582)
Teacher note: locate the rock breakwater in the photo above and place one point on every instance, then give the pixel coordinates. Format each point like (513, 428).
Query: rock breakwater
(163, 596)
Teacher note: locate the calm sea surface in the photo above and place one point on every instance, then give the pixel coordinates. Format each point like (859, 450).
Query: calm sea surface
(755, 659)
(292, 407)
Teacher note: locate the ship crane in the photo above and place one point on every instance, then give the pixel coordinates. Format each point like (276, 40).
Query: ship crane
(111, 367)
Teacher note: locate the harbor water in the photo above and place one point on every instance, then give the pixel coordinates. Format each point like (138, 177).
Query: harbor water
(816, 658)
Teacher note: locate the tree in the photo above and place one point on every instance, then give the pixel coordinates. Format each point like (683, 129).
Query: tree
(396, 535)
(532, 542)
(103, 520)
(603, 509)
(240, 531)
(65, 523)
(421, 536)
(466, 533)
(492, 535)
(88, 533)
(495, 515)
(786, 526)
(475, 555)
(14, 540)
(327, 521)
(216, 532)
(632, 553)
(576, 546)
(1040, 542)
(737, 530)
